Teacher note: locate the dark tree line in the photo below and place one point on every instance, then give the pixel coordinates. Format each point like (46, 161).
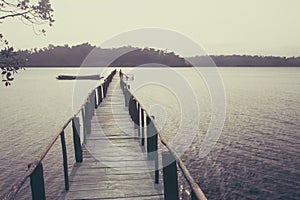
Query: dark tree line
(73, 56)
(66, 56)
(246, 61)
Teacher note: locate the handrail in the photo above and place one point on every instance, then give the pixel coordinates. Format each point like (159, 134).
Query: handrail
(197, 193)
(35, 168)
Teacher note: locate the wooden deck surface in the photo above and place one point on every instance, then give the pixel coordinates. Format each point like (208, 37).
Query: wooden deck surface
(114, 164)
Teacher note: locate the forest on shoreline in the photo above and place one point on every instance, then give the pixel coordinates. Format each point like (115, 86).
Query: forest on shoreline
(75, 56)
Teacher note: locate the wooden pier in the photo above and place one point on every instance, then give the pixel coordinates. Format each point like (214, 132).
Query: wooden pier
(118, 156)
(108, 174)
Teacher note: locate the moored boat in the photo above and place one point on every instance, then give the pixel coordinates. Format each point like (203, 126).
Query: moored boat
(82, 77)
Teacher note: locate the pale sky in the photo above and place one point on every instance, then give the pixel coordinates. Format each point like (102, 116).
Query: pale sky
(261, 27)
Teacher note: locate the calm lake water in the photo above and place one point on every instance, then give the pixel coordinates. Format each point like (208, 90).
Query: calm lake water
(255, 157)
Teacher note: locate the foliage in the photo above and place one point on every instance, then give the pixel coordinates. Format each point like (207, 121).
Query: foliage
(75, 56)
(31, 12)
(10, 63)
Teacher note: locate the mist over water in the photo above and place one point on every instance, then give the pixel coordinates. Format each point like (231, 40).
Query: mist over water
(256, 156)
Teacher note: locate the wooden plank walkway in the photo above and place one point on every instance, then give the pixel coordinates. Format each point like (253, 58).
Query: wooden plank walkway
(114, 165)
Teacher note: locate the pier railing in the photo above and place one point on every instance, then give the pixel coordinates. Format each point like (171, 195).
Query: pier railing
(35, 169)
(149, 133)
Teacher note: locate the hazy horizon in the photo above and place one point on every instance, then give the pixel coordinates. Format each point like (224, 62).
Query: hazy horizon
(141, 47)
(220, 27)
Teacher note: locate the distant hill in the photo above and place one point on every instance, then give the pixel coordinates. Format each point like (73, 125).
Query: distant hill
(66, 56)
(246, 61)
(117, 57)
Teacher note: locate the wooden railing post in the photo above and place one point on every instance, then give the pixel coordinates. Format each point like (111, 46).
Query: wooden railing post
(151, 139)
(143, 128)
(83, 122)
(155, 150)
(86, 106)
(140, 119)
(65, 159)
(102, 92)
(95, 99)
(152, 146)
(37, 183)
(90, 114)
(125, 97)
(170, 176)
(105, 88)
(76, 139)
(87, 117)
(99, 94)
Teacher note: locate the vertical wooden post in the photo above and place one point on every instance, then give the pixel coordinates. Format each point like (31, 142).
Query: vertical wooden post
(152, 146)
(102, 92)
(65, 159)
(104, 85)
(87, 116)
(83, 122)
(105, 88)
(95, 98)
(99, 94)
(128, 95)
(156, 172)
(170, 176)
(151, 135)
(76, 139)
(143, 127)
(140, 120)
(91, 113)
(136, 126)
(155, 149)
(37, 183)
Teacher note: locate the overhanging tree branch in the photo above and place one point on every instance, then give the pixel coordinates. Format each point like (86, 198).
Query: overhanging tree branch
(36, 13)
(14, 15)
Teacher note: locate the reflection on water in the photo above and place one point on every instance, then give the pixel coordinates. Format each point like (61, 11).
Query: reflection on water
(257, 155)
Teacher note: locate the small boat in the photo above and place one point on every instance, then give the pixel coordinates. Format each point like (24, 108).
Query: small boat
(83, 77)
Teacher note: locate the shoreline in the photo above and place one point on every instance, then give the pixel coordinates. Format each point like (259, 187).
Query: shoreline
(243, 66)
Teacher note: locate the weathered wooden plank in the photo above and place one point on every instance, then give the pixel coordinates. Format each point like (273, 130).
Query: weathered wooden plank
(122, 173)
(122, 191)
